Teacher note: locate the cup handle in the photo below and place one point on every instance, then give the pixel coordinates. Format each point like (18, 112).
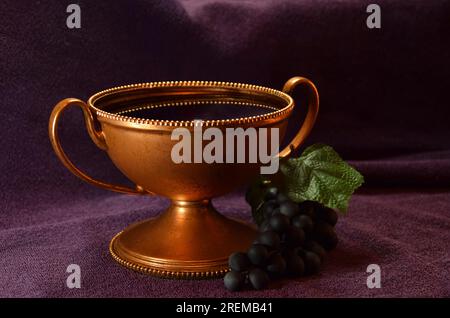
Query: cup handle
(97, 137)
(313, 109)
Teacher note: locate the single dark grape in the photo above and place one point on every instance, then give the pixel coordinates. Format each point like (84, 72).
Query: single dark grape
(269, 239)
(268, 207)
(312, 262)
(303, 222)
(293, 236)
(325, 235)
(279, 222)
(317, 249)
(308, 208)
(257, 254)
(295, 266)
(258, 278)
(289, 208)
(234, 280)
(271, 193)
(327, 215)
(276, 264)
(239, 261)
(281, 197)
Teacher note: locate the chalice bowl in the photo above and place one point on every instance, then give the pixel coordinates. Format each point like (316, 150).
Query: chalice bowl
(135, 125)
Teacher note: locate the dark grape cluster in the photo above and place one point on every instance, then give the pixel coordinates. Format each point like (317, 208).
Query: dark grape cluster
(293, 240)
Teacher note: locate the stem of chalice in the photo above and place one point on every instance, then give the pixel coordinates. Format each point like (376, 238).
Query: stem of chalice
(189, 240)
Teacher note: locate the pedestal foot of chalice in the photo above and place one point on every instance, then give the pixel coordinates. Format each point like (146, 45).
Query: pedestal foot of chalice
(150, 132)
(188, 240)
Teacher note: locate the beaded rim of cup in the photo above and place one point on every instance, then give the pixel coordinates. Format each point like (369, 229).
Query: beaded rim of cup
(277, 114)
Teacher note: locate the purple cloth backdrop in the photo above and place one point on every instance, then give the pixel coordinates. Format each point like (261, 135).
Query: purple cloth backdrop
(384, 107)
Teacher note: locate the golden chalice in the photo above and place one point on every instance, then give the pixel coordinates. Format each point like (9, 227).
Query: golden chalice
(134, 125)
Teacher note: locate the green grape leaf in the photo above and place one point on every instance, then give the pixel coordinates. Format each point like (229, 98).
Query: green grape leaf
(320, 175)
